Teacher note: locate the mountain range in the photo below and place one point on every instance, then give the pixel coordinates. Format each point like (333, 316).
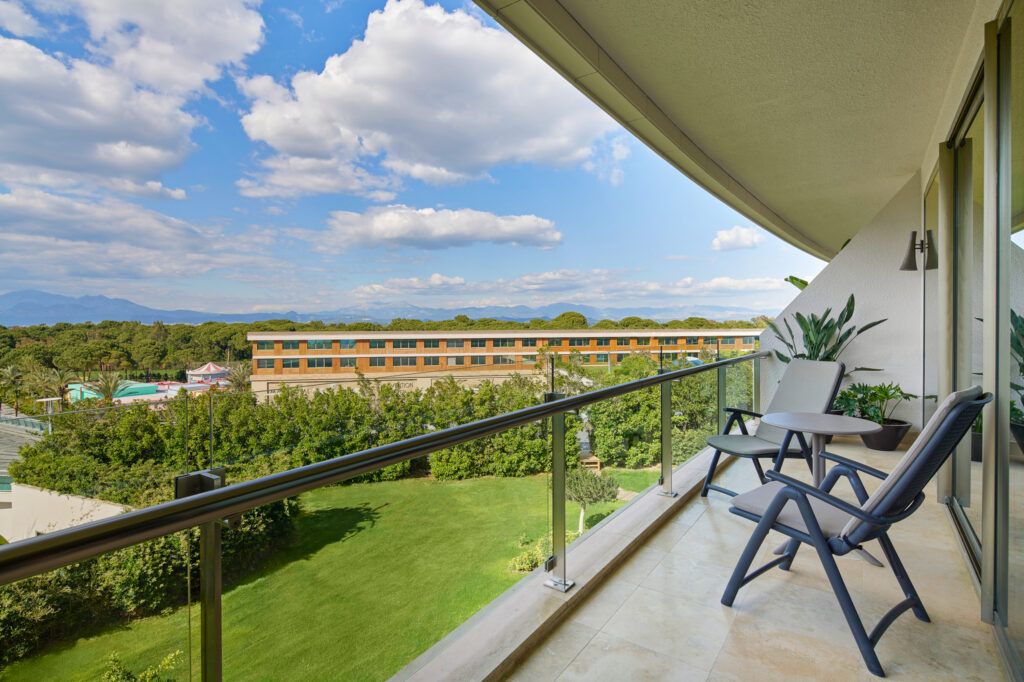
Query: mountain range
(29, 307)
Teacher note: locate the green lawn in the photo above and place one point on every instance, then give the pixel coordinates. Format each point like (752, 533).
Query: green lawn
(377, 574)
(636, 480)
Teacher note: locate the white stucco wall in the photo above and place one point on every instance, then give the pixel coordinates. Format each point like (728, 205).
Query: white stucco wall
(35, 510)
(868, 267)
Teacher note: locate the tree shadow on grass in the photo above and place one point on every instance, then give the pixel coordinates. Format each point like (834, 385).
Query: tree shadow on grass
(314, 530)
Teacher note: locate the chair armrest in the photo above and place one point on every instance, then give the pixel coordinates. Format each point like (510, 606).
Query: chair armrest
(877, 473)
(836, 502)
(738, 410)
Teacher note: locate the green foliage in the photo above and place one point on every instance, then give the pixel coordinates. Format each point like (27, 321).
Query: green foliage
(117, 672)
(822, 337)
(584, 487)
(535, 554)
(800, 284)
(876, 403)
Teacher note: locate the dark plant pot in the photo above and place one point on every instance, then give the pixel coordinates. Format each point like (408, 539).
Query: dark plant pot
(1017, 429)
(889, 437)
(828, 439)
(976, 446)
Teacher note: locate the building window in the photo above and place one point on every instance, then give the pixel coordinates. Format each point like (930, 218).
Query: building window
(619, 357)
(458, 361)
(403, 343)
(728, 340)
(432, 361)
(622, 342)
(601, 357)
(264, 345)
(504, 360)
(290, 363)
(403, 362)
(478, 343)
(454, 343)
(431, 343)
(669, 341)
(749, 340)
(318, 363)
(579, 343)
(554, 342)
(692, 340)
(318, 344)
(603, 342)
(346, 362)
(642, 341)
(377, 343)
(347, 344)
(529, 343)
(504, 343)
(529, 358)
(478, 360)
(377, 362)
(264, 364)
(289, 345)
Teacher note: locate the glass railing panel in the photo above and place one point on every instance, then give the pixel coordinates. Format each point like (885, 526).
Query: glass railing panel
(739, 385)
(122, 615)
(695, 414)
(372, 572)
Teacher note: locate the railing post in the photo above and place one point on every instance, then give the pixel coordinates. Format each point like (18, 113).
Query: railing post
(721, 398)
(210, 580)
(210, 393)
(666, 441)
(755, 400)
(555, 564)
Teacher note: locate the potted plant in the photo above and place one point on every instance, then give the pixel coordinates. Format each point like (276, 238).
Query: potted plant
(877, 403)
(822, 337)
(1017, 351)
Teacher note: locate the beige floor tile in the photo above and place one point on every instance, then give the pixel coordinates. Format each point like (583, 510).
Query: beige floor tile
(611, 658)
(667, 536)
(768, 651)
(672, 626)
(912, 650)
(690, 577)
(639, 565)
(554, 654)
(603, 604)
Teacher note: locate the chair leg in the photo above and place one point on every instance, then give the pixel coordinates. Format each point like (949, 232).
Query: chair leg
(739, 574)
(867, 650)
(711, 473)
(901, 576)
(790, 552)
(759, 470)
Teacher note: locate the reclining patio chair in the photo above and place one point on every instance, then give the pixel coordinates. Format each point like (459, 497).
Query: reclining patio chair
(835, 527)
(806, 386)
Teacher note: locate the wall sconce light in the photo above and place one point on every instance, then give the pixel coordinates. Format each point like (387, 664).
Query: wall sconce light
(925, 246)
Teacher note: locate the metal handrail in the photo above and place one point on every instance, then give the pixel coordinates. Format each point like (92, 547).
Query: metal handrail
(53, 550)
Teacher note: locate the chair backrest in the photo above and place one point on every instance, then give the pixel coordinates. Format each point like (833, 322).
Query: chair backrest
(929, 451)
(806, 386)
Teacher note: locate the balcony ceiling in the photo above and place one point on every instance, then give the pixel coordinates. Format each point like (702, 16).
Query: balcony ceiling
(807, 117)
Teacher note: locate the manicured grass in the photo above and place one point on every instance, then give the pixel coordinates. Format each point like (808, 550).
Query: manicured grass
(377, 574)
(636, 480)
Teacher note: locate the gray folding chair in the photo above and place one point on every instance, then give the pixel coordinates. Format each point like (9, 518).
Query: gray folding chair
(835, 527)
(806, 386)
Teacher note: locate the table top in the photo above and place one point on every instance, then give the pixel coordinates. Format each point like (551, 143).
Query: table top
(822, 424)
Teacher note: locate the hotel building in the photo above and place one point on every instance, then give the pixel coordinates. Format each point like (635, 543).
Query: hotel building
(312, 357)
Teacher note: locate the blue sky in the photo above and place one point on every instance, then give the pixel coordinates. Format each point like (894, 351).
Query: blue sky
(235, 156)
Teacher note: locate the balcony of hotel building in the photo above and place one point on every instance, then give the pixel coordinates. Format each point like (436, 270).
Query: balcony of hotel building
(842, 128)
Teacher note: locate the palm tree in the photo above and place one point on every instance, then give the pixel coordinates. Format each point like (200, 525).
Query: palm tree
(50, 382)
(10, 380)
(239, 375)
(108, 386)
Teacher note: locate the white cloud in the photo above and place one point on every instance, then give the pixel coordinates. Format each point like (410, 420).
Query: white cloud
(15, 20)
(737, 238)
(428, 228)
(428, 94)
(594, 286)
(291, 16)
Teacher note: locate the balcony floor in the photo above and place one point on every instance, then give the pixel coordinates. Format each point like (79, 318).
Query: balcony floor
(659, 617)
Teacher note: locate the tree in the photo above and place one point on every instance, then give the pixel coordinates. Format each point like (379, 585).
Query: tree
(108, 386)
(585, 488)
(569, 320)
(10, 380)
(239, 375)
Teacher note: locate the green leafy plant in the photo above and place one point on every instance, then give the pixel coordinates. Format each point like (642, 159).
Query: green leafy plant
(876, 403)
(800, 284)
(1017, 352)
(586, 488)
(822, 336)
(117, 672)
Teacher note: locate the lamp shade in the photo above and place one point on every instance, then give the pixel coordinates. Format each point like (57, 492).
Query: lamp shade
(910, 259)
(931, 261)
